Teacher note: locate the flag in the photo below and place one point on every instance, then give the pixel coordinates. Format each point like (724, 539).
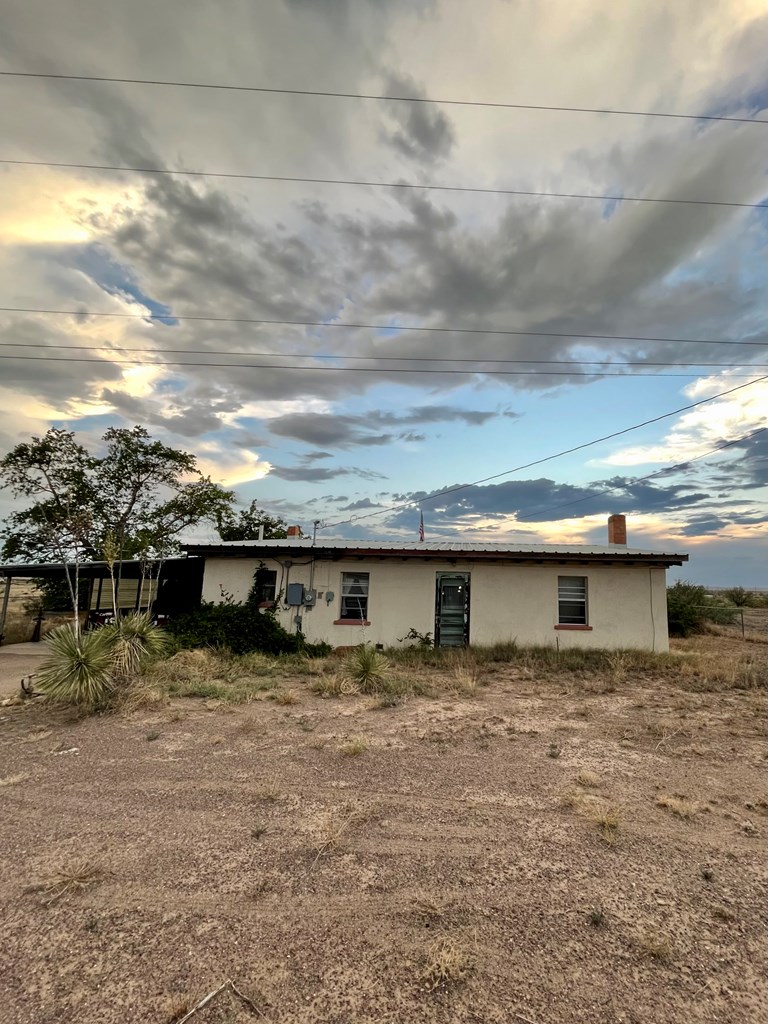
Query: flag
(421, 525)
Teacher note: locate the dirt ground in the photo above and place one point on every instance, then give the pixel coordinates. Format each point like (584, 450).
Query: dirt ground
(552, 850)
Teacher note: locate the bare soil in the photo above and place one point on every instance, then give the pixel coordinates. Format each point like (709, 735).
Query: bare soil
(441, 860)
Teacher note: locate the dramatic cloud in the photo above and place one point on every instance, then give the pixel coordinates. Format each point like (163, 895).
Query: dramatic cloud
(192, 267)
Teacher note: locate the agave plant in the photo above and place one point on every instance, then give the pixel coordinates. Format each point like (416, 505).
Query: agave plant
(78, 669)
(135, 640)
(366, 667)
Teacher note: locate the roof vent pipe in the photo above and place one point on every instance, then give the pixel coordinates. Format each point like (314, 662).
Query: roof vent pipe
(617, 529)
(261, 532)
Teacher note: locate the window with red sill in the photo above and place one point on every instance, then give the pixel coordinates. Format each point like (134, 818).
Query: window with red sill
(354, 597)
(572, 608)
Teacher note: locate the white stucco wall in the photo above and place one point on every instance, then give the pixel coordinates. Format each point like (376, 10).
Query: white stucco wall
(627, 604)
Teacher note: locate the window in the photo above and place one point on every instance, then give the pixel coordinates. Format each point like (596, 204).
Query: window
(572, 600)
(264, 585)
(354, 595)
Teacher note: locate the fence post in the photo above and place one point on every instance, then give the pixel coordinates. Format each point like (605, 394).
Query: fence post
(743, 636)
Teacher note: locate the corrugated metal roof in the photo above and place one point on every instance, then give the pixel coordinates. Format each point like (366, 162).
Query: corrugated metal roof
(448, 546)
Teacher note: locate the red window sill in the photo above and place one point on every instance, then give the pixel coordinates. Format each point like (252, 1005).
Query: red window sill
(351, 622)
(566, 626)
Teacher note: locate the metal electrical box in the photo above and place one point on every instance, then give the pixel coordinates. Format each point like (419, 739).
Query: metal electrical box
(310, 598)
(295, 594)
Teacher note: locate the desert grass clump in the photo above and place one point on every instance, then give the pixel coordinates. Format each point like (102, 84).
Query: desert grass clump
(79, 668)
(596, 917)
(588, 779)
(446, 964)
(367, 668)
(340, 823)
(466, 674)
(678, 806)
(657, 946)
(333, 684)
(355, 746)
(68, 879)
(283, 697)
(608, 819)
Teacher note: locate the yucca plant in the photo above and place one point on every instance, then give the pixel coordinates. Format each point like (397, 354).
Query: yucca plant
(366, 667)
(78, 669)
(134, 641)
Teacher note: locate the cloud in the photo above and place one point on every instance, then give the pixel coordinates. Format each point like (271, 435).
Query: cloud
(357, 506)
(423, 131)
(347, 431)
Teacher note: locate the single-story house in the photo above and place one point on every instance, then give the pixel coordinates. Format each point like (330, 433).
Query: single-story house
(344, 591)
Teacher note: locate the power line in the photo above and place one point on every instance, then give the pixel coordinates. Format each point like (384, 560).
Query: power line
(642, 479)
(385, 98)
(381, 184)
(491, 332)
(546, 458)
(475, 361)
(351, 369)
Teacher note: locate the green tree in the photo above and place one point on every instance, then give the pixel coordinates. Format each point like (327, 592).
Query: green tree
(245, 524)
(690, 607)
(132, 500)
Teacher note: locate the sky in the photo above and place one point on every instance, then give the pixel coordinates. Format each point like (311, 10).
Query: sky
(339, 438)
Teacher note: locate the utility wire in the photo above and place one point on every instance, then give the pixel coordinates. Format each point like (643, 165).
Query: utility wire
(382, 184)
(384, 327)
(119, 350)
(546, 458)
(351, 369)
(642, 479)
(385, 98)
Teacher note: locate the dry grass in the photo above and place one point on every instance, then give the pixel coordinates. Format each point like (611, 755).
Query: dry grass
(608, 819)
(269, 791)
(176, 1007)
(447, 963)
(588, 779)
(353, 747)
(68, 879)
(678, 805)
(341, 821)
(657, 946)
(334, 684)
(428, 909)
(284, 697)
(14, 780)
(466, 674)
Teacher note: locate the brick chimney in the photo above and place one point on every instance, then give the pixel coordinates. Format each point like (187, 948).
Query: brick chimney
(294, 531)
(617, 529)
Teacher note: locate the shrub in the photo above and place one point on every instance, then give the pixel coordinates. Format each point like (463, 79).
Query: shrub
(78, 669)
(135, 640)
(739, 596)
(366, 667)
(689, 608)
(241, 628)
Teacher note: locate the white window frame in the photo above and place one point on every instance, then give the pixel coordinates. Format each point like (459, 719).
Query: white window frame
(360, 614)
(569, 592)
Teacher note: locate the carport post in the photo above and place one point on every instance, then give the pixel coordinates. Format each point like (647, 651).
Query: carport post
(6, 595)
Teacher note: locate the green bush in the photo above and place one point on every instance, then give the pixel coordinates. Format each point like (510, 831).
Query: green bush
(240, 628)
(78, 669)
(366, 667)
(690, 608)
(135, 640)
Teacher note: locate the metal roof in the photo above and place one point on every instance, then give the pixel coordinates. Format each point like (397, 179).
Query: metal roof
(131, 568)
(449, 547)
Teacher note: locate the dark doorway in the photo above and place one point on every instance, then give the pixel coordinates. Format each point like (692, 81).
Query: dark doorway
(452, 609)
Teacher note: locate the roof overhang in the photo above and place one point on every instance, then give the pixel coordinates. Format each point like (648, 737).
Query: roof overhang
(331, 553)
(128, 570)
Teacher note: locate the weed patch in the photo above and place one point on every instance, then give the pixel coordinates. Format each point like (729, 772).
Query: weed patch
(446, 964)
